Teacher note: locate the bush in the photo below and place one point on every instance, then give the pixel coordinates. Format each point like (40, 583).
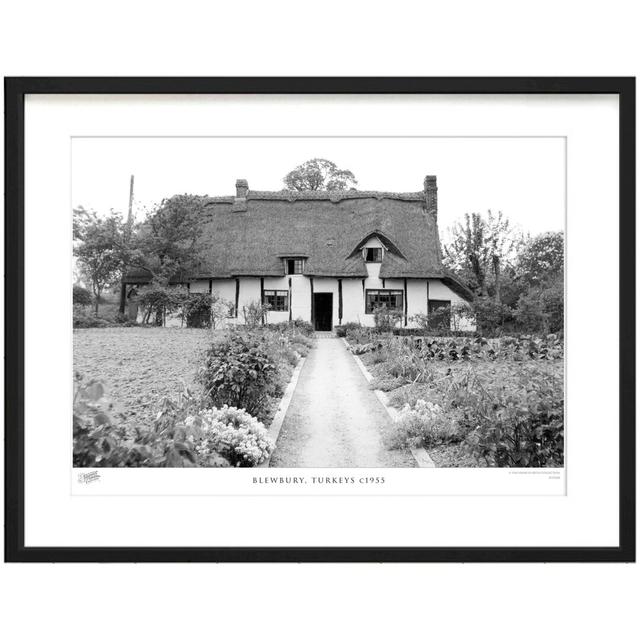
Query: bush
(99, 441)
(424, 424)
(255, 313)
(445, 321)
(359, 349)
(158, 300)
(360, 335)
(303, 326)
(123, 320)
(342, 330)
(296, 326)
(81, 296)
(239, 371)
(196, 310)
(386, 319)
(84, 320)
(300, 339)
(204, 310)
(519, 420)
(491, 316)
(541, 309)
(508, 414)
(241, 439)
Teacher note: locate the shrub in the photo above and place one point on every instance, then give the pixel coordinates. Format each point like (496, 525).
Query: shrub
(240, 438)
(303, 326)
(519, 419)
(84, 320)
(386, 319)
(378, 356)
(99, 441)
(255, 313)
(541, 309)
(491, 316)
(299, 339)
(360, 335)
(359, 349)
(301, 350)
(123, 320)
(196, 310)
(507, 410)
(291, 356)
(343, 330)
(81, 296)
(158, 300)
(239, 371)
(424, 424)
(445, 321)
(297, 326)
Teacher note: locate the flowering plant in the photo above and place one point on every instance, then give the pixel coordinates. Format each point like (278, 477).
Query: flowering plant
(234, 434)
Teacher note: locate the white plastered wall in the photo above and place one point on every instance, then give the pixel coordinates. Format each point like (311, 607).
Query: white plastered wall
(440, 291)
(419, 292)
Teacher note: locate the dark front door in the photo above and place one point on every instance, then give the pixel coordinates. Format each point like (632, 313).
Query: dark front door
(322, 311)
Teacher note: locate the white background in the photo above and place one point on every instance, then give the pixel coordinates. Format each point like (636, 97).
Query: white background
(488, 38)
(522, 177)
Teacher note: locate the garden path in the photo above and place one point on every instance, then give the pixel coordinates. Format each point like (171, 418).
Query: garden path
(335, 419)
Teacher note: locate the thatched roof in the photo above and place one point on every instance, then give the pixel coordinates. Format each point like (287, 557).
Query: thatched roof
(250, 233)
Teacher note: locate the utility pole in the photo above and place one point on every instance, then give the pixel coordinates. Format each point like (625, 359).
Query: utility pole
(130, 215)
(123, 286)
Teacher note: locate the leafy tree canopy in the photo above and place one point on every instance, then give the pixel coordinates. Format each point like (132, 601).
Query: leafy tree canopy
(97, 247)
(542, 258)
(170, 241)
(318, 174)
(482, 251)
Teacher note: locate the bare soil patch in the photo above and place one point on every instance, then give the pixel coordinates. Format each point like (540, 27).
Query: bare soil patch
(138, 366)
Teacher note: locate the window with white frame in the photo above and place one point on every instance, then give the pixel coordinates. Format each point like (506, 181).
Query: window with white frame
(390, 298)
(277, 300)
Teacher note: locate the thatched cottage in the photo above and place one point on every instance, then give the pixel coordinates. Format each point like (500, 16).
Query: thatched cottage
(327, 257)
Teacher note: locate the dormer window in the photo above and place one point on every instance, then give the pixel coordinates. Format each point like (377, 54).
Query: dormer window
(373, 254)
(294, 266)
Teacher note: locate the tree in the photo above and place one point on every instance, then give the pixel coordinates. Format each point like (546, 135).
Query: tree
(158, 300)
(97, 243)
(542, 258)
(170, 241)
(482, 252)
(317, 174)
(540, 272)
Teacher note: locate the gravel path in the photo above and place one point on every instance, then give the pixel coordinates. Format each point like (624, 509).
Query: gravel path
(334, 419)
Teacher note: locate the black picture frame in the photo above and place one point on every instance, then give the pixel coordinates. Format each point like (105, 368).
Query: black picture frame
(15, 91)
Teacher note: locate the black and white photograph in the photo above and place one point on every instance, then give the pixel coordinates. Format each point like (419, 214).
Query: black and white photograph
(376, 321)
(314, 302)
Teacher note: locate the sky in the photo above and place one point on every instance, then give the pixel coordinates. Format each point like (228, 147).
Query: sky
(522, 177)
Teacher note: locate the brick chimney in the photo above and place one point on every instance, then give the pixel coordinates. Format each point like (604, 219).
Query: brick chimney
(240, 201)
(431, 195)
